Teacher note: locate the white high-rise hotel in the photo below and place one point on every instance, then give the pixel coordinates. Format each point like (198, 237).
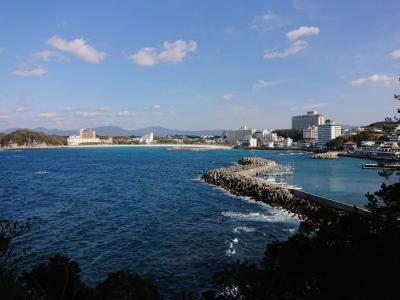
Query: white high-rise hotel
(312, 118)
(327, 132)
(86, 136)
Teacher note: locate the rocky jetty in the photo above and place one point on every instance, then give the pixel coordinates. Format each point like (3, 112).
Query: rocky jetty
(235, 180)
(326, 155)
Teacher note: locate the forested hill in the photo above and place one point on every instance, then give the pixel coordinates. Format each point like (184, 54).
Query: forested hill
(29, 138)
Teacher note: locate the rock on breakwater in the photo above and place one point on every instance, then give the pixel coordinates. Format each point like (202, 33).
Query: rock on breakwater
(240, 180)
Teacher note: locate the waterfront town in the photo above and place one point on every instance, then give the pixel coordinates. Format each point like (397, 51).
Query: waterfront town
(309, 132)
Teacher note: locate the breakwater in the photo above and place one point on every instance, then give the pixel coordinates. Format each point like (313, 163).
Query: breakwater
(240, 179)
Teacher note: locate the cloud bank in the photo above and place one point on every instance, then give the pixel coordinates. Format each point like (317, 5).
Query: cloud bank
(172, 53)
(78, 47)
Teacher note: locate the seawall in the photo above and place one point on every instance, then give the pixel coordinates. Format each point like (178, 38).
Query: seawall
(241, 180)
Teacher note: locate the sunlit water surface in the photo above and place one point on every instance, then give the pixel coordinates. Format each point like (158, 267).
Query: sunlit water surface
(145, 209)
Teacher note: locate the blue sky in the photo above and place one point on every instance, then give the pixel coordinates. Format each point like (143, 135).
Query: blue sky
(196, 64)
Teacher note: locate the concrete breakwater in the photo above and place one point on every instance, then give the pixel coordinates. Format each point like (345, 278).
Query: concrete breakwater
(240, 180)
(327, 155)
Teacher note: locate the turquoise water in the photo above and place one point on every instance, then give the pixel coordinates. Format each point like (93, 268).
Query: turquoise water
(145, 208)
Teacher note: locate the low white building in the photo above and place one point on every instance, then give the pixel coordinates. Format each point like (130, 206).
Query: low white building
(86, 136)
(237, 136)
(367, 143)
(261, 134)
(269, 144)
(249, 141)
(271, 136)
(287, 142)
(310, 133)
(147, 138)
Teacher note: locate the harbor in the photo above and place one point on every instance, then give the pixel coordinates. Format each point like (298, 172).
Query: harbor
(382, 166)
(237, 180)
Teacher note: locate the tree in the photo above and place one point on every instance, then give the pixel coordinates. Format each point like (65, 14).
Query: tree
(10, 254)
(295, 134)
(59, 278)
(351, 256)
(123, 285)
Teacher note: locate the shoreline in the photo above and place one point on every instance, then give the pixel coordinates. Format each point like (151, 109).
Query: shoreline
(192, 146)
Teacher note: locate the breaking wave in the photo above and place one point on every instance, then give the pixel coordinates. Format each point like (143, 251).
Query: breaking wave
(279, 216)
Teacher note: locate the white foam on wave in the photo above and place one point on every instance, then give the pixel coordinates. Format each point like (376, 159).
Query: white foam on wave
(197, 179)
(277, 216)
(231, 249)
(42, 172)
(243, 229)
(290, 230)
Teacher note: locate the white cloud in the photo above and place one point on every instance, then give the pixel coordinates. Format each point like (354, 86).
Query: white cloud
(378, 79)
(125, 113)
(172, 53)
(78, 47)
(302, 31)
(4, 115)
(156, 106)
(264, 83)
(395, 54)
(69, 109)
(228, 97)
(294, 48)
(47, 115)
(103, 109)
(37, 72)
(22, 109)
(267, 22)
(47, 55)
(88, 114)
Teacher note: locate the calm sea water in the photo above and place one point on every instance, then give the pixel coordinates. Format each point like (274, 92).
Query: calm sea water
(145, 208)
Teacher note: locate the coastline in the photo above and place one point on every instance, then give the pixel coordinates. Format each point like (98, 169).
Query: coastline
(193, 146)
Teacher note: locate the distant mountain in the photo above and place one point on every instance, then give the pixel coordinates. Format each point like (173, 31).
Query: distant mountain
(118, 131)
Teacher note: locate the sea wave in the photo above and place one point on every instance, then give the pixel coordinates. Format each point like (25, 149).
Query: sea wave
(41, 172)
(231, 248)
(243, 229)
(277, 217)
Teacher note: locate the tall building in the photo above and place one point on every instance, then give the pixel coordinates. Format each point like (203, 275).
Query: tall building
(237, 136)
(312, 118)
(86, 136)
(327, 132)
(147, 138)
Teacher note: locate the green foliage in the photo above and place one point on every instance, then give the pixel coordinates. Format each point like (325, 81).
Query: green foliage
(10, 254)
(386, 126)
(123, 285)
(349, 257)
(387, 199)
(366, 135)
(25, 137)
(295, 134)
(57, 279)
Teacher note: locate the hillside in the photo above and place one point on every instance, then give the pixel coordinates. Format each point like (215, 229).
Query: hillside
(29, 138)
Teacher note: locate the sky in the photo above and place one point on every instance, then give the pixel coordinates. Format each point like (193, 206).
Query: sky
(194, 65)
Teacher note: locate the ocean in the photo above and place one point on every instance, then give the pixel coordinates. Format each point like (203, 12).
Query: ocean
(145, 208)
